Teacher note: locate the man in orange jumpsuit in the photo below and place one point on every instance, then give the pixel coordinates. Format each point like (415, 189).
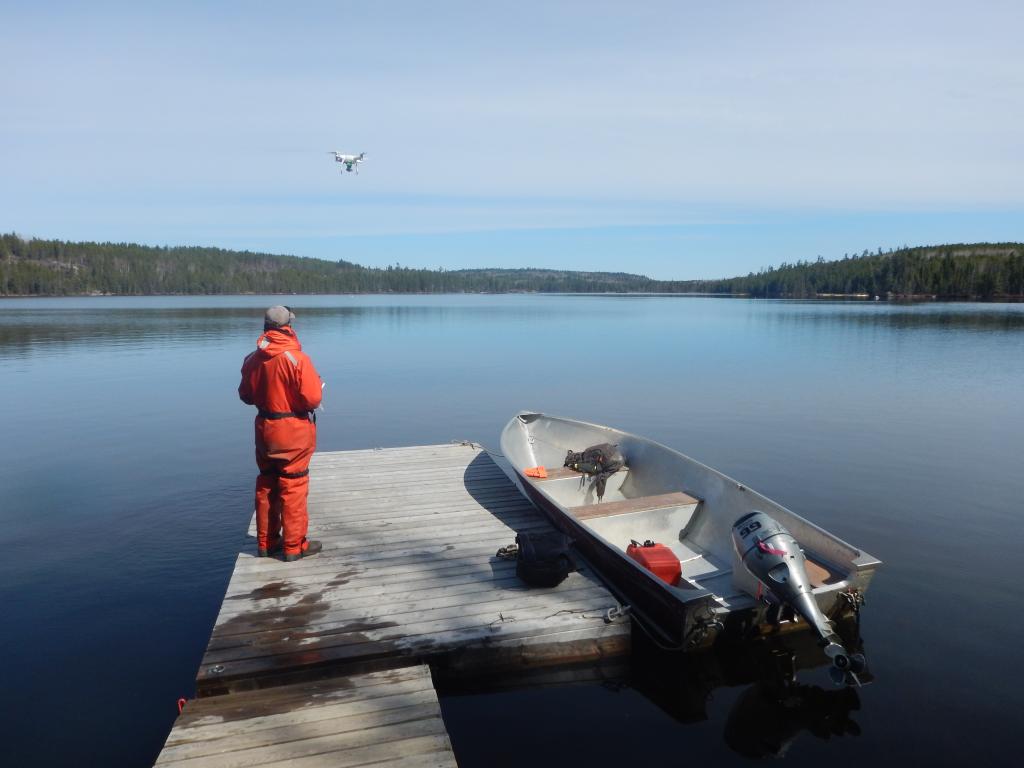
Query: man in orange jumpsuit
(280, 380)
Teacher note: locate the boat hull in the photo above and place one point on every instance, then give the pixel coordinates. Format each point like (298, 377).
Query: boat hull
(699, 609)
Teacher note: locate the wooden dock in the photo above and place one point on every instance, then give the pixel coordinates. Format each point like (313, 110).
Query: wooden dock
(408, 576)
(388, 719)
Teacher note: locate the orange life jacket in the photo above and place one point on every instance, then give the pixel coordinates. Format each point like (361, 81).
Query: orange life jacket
(279, 378)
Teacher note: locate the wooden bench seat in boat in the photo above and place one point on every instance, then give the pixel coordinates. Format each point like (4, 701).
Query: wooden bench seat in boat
(639, 504)
(560, 473)
(817, 573)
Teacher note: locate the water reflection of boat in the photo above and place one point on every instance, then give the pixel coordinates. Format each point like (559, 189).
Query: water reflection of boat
(774, 709)
(690, 510)
(769, 716)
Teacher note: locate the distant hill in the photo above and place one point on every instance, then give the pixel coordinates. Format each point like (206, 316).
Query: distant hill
(34, 267)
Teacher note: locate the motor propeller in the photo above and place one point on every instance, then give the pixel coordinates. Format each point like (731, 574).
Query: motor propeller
(773, 557)
(846, 667)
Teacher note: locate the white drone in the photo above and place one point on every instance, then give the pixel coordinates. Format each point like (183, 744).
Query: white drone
(351, 162)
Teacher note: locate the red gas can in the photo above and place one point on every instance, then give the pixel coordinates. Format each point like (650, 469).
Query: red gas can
(658, 559)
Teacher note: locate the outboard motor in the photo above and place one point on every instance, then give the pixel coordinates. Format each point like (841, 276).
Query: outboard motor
(772, 556)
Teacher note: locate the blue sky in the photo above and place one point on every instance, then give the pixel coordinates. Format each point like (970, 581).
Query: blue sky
(678, 139)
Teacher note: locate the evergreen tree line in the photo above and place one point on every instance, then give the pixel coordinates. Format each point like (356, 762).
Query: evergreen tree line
(57, 268)
(978, 271)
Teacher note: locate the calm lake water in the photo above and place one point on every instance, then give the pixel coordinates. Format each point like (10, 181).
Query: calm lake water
(126, 471)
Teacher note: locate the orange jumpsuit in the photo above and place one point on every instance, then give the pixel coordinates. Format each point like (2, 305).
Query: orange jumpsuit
(280, 380)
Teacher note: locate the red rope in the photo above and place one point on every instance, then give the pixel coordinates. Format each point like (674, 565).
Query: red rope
(770, 550)
(181, 704)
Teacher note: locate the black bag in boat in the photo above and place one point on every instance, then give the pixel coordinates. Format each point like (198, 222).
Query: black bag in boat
(543, 559)
(602, 461)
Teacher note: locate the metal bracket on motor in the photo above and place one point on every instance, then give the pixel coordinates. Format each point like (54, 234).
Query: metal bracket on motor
(854, 597)
(851, 600)
(701, 629)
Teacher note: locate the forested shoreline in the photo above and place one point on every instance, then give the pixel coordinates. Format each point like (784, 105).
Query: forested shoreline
(36, 267)
(960, 271)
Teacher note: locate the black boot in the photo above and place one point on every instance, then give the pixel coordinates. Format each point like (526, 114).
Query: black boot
(274, 550)
(312, 548)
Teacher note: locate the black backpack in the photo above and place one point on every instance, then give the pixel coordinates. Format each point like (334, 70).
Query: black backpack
(543, 559)
(602, 461)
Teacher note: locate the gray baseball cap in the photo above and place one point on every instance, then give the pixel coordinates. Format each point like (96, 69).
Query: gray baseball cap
(278, 316)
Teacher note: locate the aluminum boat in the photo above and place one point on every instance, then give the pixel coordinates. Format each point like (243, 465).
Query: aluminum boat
(663, 496)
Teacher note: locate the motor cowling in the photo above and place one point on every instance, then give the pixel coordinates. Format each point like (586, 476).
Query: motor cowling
(770, 554)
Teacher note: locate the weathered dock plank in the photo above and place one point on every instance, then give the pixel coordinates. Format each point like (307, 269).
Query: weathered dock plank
(408, 574)
(389, 719)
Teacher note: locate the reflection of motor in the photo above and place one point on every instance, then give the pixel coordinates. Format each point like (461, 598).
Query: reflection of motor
(772, 556)
(769, 716)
